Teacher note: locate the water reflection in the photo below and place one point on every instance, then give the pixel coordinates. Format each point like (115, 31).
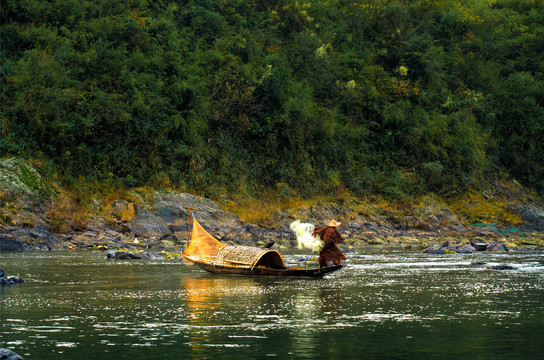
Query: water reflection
(408, 305)
(210, 302)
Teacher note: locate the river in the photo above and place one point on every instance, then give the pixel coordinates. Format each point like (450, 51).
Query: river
(79, 305)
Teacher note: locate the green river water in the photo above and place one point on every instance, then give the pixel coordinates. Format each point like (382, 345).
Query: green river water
(78, 305)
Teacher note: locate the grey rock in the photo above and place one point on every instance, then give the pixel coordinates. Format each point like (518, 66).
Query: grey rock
(479, 246)
(387, 249)
(37, 238)
(437, 251)
(10, 280)
(179, 228)
(123, 255)
(16, 279)
(6, 354)
(151, 256)
(466, 249)
(149, 227)
(303, 258)
(349, 251)
(532, 214)
(501, 267)
(497, 248)
(439, 216)
(10, 243)
(19, 179)
(167, 214)
(374, 228)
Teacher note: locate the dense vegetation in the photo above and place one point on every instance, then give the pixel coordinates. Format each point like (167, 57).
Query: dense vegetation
(391, 97)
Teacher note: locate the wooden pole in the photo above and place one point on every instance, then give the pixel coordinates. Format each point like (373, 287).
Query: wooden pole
(191, 218)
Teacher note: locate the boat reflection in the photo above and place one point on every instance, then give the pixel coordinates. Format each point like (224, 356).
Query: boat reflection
(210, 293)
(212, 304)
(252, 308)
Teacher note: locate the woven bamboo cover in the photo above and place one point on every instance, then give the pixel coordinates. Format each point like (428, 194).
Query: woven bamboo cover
(239, 256)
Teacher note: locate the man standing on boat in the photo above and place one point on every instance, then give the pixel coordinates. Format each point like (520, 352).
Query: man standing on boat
(330, 253)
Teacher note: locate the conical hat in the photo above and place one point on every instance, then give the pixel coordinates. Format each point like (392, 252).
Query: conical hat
(334, 223)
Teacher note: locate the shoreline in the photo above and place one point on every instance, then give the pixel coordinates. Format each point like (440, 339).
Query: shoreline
(159, 220)
(21, 239)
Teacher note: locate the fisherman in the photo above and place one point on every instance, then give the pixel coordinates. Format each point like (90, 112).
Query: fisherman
(330, 253)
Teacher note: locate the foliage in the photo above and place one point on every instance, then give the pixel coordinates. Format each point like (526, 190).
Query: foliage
(398, 97)
(474, 208)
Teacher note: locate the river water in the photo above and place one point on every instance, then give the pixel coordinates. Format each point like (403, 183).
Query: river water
(78, 305)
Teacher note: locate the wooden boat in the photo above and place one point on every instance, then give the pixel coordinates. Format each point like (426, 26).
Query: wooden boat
(217, 257)
(292, 272)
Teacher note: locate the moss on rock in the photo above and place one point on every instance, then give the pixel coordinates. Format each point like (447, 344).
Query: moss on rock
(18, 178)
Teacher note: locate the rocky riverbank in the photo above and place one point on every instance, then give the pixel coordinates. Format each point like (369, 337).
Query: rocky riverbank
(159, 220)
(162, 220)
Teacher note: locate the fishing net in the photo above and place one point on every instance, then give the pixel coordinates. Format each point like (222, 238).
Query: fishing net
(494, 227)
(202, 245)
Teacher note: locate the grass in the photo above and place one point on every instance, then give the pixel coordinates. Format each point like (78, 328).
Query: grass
(68, 211)
(256, 210)
(74, 208)
(474, 207)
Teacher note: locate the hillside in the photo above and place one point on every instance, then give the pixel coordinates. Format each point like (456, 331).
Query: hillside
(399, 99)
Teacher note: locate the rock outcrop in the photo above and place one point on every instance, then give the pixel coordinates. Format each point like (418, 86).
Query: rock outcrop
(532, 214)
(10, 243)
(8, 281)
(6, 354)
(18, 178)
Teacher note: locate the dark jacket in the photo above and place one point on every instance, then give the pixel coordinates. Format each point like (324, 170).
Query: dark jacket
(330, 252)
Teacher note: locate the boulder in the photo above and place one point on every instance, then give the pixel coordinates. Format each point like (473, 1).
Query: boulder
(6, 354)
(166, 214)
(387, 249)
(436, 216)
(123, 255)
(19, 179)
(350, 250)
(466, 249)
(497, 248)
(479, 246)
(149, 227)
(36, 238)
(501, 267)
(531, 214)
(435, 250)
(9, 280)
(305, 258)
(150, 256)
(171, 208)
(10, 243)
